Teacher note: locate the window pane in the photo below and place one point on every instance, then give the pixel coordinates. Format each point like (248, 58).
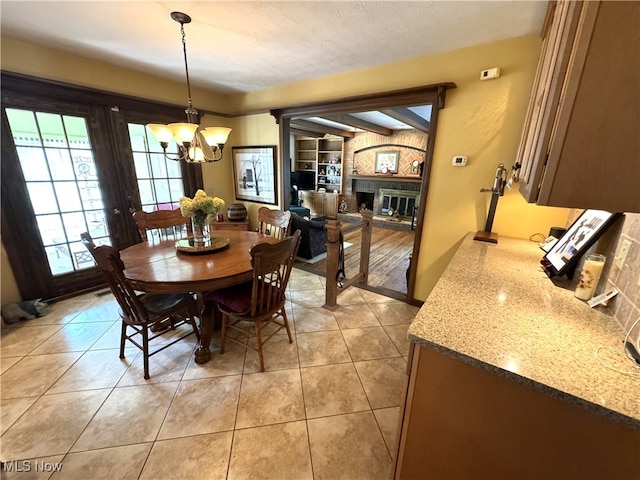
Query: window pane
(91, 195)
(33, 163)
(176, 191)
(84, 165)
(138, 135)
(76, 129)
(59, 259)
(158, 166)
(51, 230)
(74, 225)
(173, 169)
(146, 192)
(142, 166)
(23, 127)
(60, 163)
(97, 223)
(68, 197)
(162, 191)
(42, 197)
(51, 129)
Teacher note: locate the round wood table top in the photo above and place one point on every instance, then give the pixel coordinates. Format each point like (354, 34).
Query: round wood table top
(160, 268)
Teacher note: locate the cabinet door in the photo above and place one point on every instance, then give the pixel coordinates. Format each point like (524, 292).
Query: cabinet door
(318, 203)
(594, 152)
(552, 67)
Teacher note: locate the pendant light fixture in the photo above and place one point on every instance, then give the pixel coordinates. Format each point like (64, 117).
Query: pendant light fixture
(191, 141)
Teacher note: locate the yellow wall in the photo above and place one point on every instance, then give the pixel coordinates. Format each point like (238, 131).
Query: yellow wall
(482, 119)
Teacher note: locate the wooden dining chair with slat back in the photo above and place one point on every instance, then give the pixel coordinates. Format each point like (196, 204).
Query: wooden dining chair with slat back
(261, 301)
(140, 312)
(162, 225)
(274, 223)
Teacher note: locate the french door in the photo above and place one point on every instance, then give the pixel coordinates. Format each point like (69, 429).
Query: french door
(68, 168)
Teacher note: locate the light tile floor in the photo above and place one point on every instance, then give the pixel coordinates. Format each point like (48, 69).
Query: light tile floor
(326, 408)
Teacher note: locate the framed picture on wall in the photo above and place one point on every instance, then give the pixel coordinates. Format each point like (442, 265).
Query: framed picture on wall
(387, 162)
(254, 171)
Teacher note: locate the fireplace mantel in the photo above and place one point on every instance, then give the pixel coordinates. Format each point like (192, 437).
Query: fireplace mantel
(387, 178)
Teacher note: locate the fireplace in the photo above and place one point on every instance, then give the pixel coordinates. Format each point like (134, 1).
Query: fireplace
(366, 198)
(379, 193)
(400, 201)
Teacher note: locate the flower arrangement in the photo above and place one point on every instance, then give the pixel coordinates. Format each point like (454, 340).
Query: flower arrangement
(200, 207)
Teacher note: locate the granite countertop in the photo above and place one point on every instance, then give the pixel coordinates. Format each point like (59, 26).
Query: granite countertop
(495, 308)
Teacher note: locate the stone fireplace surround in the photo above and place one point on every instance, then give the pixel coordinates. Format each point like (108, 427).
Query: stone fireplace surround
(366, 189)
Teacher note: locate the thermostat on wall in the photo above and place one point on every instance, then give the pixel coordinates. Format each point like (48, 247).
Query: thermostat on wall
(459, 161)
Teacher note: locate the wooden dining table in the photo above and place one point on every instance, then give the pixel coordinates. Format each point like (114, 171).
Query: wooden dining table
(160, 268)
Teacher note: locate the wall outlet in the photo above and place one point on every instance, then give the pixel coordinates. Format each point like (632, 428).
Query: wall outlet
(623, 251)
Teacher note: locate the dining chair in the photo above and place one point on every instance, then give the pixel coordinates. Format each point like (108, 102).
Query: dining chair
(274, 223)
(259, 302)
(162, 225)
(140, 312)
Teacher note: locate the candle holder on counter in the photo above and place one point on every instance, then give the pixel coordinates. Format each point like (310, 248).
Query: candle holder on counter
(590, 275)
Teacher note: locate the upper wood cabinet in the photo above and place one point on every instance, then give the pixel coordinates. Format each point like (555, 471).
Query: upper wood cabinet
(580, 144)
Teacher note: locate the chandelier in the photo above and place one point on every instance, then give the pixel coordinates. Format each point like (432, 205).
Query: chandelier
(196, 146)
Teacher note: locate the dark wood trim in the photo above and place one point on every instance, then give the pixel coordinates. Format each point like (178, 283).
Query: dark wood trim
(43, 87)
(434, 94)
(284, 199)
(386, 178)
(407, 97)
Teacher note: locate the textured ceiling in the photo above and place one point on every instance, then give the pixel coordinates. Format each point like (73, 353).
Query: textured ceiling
(250, 46)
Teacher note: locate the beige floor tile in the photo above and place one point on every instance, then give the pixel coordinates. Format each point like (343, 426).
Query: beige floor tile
(73, 337)
(308, 320)
(372, 297)
(95, 369)
(398, 335)
(275, 452)
(111, 338)
(322, 348)
(369, 343)
(393, 313)
(351, 296)
(332, 390)
(129, 415)
(116, 463)
(52, 426)
(33, 375)
(270, 397)
(202, 406)
(388, 419)
(348, 446)
(11, 409)
(7, 362)
(100, 312)
(383, 381)
(303, 281)
(278, 354)
(198, 457)
(32, 469)
(22, 339)
(355, 316)
(167, 365)
(231, 362)
(306, 298)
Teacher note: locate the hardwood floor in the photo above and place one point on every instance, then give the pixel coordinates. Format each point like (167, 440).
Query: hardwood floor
(388, 262)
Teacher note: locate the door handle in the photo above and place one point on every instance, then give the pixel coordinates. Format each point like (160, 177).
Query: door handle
(117, 211)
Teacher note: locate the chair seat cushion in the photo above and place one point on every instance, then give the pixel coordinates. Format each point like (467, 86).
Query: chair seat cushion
(162, 302)
(235, 299)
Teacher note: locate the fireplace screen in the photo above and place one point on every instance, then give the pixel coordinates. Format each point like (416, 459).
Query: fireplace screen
(401, 201)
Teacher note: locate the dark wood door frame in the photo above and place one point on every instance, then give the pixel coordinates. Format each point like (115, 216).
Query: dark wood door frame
(433, 94)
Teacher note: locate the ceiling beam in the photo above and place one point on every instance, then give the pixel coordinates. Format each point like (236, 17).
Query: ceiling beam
(358, 123)
(405, 115)
(316, 127)
(305, 133)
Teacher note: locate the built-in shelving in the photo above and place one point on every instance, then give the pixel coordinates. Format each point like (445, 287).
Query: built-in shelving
(324, 157)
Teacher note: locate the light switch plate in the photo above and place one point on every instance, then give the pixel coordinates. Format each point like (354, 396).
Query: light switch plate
(623, 251)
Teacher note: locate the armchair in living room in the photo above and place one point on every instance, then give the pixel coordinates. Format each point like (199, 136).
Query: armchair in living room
(313, 235)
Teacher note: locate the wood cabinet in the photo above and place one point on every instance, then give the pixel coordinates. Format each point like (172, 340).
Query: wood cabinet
(227, 224)
(580, 146)
(321, 204)
(324, 157)
(463, 421)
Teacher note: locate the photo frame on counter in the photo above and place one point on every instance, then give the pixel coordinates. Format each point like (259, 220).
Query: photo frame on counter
(254, 171)
(387, 162)
(563, 257)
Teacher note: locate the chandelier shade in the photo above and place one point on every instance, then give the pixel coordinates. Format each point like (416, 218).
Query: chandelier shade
(195, 145)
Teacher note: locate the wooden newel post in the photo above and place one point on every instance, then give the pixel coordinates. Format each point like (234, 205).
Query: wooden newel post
(365, 247)
(333, 247)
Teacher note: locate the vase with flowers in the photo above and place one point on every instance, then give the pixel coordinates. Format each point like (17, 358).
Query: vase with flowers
(201, 208)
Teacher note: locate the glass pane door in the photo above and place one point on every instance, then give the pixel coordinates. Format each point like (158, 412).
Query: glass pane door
(57, 161)
(159, 179)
